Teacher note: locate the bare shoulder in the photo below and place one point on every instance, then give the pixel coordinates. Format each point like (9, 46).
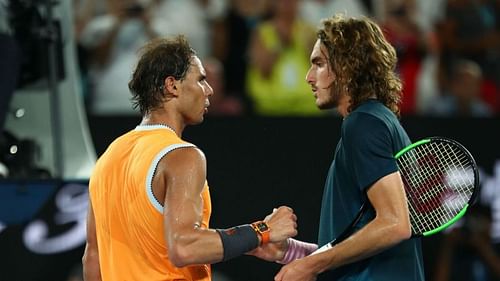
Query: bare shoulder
(179, 169)
(182, 159)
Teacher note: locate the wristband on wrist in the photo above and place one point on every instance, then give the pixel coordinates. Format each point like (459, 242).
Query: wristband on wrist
(296, 250)
(238, 240)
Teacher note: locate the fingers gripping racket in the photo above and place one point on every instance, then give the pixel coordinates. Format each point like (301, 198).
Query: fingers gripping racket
(441, 181)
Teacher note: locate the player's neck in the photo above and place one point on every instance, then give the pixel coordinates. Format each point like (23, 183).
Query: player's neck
(165, 120)
(343, 106)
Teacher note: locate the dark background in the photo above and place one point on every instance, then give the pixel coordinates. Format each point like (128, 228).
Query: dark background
(254, 165)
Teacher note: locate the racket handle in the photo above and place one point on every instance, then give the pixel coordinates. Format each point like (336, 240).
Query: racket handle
(322, 249)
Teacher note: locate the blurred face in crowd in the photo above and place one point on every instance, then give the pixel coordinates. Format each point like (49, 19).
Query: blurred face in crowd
(467, 85)
(286, 8)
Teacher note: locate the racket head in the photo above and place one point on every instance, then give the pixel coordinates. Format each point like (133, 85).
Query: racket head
(441, 181)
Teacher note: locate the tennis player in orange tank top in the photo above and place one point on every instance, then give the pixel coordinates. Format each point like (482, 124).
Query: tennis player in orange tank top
(150, 204)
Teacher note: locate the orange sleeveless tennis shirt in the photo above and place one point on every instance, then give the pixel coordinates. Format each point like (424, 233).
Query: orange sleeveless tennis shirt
(129, 220)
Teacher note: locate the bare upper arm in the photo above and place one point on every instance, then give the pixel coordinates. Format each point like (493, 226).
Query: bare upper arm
(181, 167)
(181, 174)
(90, 260)
(176, 163)
(91, 228)
(388, 198)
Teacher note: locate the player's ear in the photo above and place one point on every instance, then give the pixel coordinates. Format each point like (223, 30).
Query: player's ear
(170, 86)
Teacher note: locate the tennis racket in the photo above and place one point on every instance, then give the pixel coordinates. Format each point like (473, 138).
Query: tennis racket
(441, 181)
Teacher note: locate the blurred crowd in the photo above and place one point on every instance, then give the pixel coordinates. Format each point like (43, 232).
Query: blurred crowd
(256, 53)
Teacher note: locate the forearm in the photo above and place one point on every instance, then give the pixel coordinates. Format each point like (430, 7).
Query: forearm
(199, 246)
(297, 250)
(91, 269)
(375, 237)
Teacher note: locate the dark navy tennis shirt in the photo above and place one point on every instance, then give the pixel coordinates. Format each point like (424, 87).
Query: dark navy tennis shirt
(370, 137)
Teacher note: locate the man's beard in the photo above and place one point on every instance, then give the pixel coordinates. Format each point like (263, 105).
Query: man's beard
(332, 100)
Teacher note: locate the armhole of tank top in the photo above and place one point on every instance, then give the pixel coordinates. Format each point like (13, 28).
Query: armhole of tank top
(152, 169)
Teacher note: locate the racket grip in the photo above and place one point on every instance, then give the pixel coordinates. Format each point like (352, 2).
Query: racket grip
(322, 249)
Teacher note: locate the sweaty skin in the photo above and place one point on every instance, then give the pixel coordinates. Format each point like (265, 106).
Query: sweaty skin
(179, 181)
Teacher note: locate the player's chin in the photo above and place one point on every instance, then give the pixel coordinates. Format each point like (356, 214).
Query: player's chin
(200, 120)
(196, 120)
(324, 104)
(202, 115)
(321, 104)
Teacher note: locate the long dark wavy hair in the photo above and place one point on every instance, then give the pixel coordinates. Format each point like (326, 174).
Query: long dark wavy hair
(362, 60)
(161, 58)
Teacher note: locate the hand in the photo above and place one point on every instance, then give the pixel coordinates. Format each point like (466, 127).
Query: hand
(298, 270)
(283, 224)
(271, 251)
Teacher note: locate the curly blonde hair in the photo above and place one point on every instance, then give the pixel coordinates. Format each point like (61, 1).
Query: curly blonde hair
(362, 60)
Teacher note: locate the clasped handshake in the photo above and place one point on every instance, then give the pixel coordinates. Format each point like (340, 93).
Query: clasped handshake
(282, 224)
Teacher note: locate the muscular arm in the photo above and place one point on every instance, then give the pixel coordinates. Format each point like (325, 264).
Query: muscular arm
(390, 226)
(183, 173)
(91, 270)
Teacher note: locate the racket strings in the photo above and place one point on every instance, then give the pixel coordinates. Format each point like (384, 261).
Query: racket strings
(439, 182)
(439, 215)
(456, 193)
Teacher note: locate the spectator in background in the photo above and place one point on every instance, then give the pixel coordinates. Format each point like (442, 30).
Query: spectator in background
(429, 15)
(464, 95)
(220, 103)
(112, 40)
(279, 52)
(471, 31)
(404, 34)
(467, 252)
(231, 45)
(10, 58)
(193, 18)
(313, 11)
(83, 12)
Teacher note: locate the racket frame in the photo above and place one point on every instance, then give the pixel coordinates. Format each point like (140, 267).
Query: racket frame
(348, 231)
(475, 191)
